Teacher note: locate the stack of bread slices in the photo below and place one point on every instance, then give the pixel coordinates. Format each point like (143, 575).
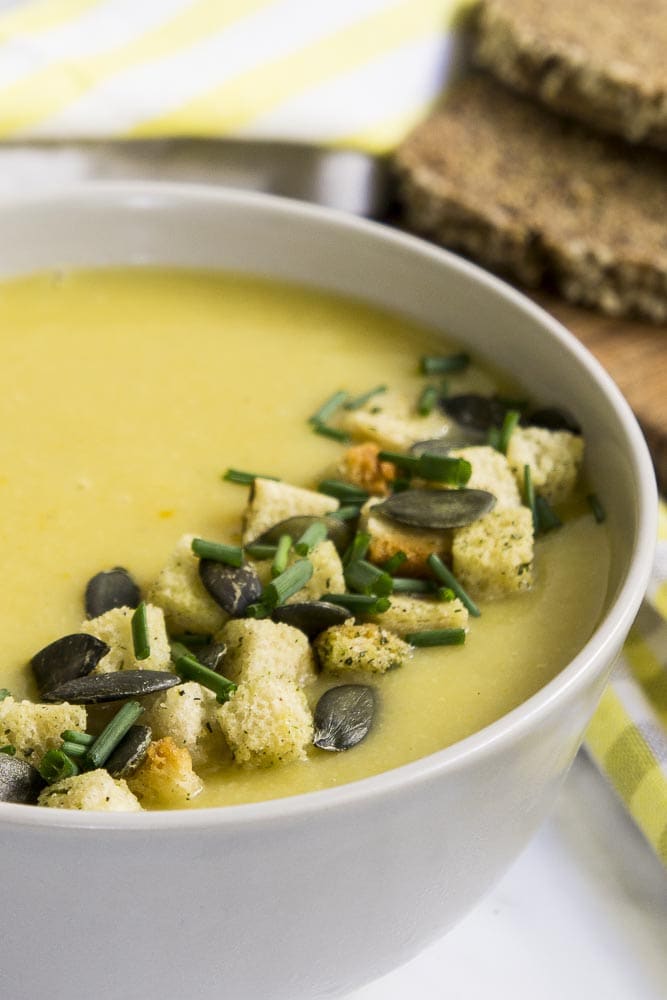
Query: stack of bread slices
(548, 163)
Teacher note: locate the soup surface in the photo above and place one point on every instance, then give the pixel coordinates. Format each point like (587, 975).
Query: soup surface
(125, 395)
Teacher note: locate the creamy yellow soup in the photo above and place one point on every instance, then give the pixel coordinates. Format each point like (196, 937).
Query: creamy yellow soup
(125, 394)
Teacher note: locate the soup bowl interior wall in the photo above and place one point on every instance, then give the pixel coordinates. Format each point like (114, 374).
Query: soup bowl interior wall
(311, 896)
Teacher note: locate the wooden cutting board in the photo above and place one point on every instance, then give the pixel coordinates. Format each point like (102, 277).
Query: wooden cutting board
(635, 355)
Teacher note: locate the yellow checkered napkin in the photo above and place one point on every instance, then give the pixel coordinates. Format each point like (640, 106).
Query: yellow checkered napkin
(353, 73)
(628, 734)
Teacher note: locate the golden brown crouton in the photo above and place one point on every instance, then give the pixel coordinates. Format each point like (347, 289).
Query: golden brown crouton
(388, 538)
(361, 466)
(165, 778)
(348, 647)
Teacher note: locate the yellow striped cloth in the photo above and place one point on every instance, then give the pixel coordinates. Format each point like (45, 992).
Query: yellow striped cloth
(353, 73)
(628, 735)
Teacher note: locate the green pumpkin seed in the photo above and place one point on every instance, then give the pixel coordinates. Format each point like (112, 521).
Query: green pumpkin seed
(436, 510)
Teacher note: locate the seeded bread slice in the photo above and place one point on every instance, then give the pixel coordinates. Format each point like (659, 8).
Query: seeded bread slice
(602, 63)
(539, 198)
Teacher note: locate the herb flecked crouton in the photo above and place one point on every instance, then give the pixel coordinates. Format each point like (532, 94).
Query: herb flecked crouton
(187, 605)
(415, 614)
(187, 714)
(115, 628)
(271, 502)
(491, 472)
(262, 648)
(388, 538)
(368, 647)
(391, 420)
(493, 557)
(267, 721)
(165, 776)
(94, 790)
(361, 466)
(35, 728)
(554, 457)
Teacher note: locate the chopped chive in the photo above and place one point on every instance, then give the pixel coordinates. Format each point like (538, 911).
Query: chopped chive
(359, 602)
(74, 749)
(74, 736)
(529, 496)
(328, 408)
(345, 513)
(444, 364)
(435, 468)
(437, 637)
(395, 562)
(178, 649)
(113, 733)
(331, 432)
(499, 437)
(447, 577)
(191, 639)
(547, 518)
(293, 579)
(427, 401)
(258, 550)
(230, 555)
(358, 548)
(279, 564)
(399, 485)
(8, 749)
(189, 668)
(141, 639)
(56, 765)
(343, 491)
(246, 478)
(4, 693)
(311, 538)
(409, 585)
(358, 401)
(599, 512)
(445, 594)
(365, 578)
(257, 611)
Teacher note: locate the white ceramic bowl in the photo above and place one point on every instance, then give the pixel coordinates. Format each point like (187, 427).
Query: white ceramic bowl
(308, 897)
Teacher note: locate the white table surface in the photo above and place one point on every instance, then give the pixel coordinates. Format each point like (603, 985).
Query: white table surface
(581, 914)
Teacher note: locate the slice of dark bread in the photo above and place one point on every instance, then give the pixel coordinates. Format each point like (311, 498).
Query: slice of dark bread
(539, 198)
(604, 63)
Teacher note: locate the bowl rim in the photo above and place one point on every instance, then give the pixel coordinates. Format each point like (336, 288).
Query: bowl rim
(600, 647)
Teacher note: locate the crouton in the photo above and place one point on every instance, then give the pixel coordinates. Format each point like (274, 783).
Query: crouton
(187, 714)
(388, 538)
(262, 648)
(348, 647)
(327, 578)
(493, 556)
(165, 776)
(554, 458)
(361, 466)
(267, 721)
(115, 628)
(392, 421)
(34, 728)
(271, 502)
(187, 605)
(94, 790)
(491, 472)
(414, 614)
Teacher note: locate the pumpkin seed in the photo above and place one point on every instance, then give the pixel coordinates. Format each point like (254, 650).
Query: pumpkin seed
(462, 437)
(473, 410)
(66, 659)
(130, 752)
(98, 688)
(19, 781)
(112, 588)
(311, 617)
(212, 655)
(233, 588)
(553, 419)
(343, 716)
(436, 510)
(338, 531)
